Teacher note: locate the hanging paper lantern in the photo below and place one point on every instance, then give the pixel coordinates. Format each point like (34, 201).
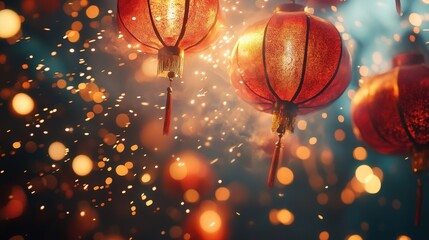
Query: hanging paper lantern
(292, 63)
(391, 113)
(169, 28)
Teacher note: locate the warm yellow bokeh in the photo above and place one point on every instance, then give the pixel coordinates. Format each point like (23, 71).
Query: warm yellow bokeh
(191, 196)
(57, 151)
(403, 237)
(222, 194)
(92, 11)
(373, 186)
(121, 170)
(22, 104)
(210, 221)
(285, 176)
(285, 217)
(303, 152)
(415, 19)
(364, 173)
(82, 165)
(178, 170)
(10, 23)
(360, 153)
(146, 178)
(355, 237)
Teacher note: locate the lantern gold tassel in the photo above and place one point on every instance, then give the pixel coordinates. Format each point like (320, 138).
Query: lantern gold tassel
(419, 163)
(170, 59)
(284, 116)
(277, 155)
(168, 106)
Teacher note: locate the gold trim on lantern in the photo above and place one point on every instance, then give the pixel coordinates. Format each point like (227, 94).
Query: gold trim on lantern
(170, 59)
(284, 115)
(420, 159)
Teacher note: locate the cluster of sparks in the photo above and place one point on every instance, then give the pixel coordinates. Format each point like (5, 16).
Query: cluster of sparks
(84, 110)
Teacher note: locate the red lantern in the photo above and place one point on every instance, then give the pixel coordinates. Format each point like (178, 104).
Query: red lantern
(391, 113)
(292, 63)
(169, 28)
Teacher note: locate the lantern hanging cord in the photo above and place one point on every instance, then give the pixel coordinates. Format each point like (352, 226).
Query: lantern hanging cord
(277, 156)
(398, 7)
(168, 105)
(419, 200)
(284, 115)
(419, 162)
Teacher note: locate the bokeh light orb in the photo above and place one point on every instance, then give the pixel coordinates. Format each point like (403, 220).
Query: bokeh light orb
(285, 176)
(82, 165)
(13, 202)
(188, 170)
(285, 217)
(373, 186)
(210, 221)
(22, 104)
(364, 173)
(178, 170)
(10, 23)
(222, 194)
(57, 151)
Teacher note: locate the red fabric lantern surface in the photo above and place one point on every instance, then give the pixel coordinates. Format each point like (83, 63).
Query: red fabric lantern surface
(391, 112)
(291, 63)
(169, 28)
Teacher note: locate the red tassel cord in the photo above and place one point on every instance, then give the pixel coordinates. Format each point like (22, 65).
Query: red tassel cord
(168, 106)
(277, 156)
(398, 7)
(419, 201)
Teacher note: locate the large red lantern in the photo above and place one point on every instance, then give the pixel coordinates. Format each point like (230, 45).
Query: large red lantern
(169, 28)
(291, 63)
(390, 113)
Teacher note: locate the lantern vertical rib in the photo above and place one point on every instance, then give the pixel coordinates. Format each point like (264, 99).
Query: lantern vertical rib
(267, 79)
(185, 21)
(371, 117)
(330, 80)
(155, 29)
(129, 32)
(242, 78)
(212, 27)
(264, 62)
(304, 63)
(402, 120)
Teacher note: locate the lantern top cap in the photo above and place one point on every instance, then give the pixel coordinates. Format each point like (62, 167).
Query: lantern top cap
(406, 59)
(289, 7)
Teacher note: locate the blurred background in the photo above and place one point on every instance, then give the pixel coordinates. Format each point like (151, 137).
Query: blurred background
(82, 155)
